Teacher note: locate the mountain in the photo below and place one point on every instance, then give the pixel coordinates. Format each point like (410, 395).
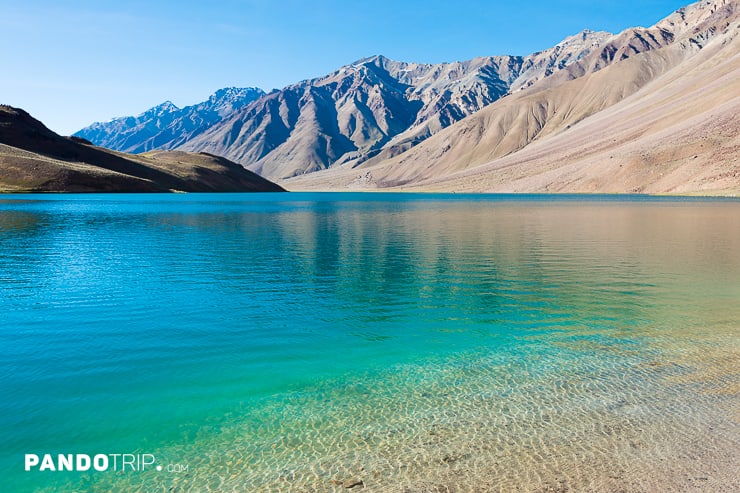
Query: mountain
(649, 110)
(373, 107)
(33, 158)
(503, 123)
(166, 126)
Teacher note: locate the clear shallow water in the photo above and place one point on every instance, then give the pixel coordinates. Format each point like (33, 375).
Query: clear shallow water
(291, 342)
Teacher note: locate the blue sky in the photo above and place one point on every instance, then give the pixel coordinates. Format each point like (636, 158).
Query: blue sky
(70, 63)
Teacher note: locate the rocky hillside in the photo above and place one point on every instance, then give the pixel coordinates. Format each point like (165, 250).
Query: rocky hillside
(380, 123)
(649, 110)
(166, 126)
(33, 158)
(373, 107)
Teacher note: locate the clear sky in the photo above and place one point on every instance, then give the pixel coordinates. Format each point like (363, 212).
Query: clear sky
(72, 62)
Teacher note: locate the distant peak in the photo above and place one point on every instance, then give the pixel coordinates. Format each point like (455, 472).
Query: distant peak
(228, 91)
(375, 59)
(161, 109)
(166, 107)
(235, 94)
(585, 36)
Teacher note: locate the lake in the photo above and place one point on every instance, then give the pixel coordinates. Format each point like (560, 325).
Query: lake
(384, 342)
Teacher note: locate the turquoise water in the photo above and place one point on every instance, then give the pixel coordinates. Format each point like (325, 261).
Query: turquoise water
(293, 342)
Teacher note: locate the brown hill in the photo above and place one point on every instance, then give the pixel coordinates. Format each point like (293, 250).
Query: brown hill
(33, 158)
(650, 110)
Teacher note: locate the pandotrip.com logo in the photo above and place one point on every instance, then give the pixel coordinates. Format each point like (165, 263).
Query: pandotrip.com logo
(95, 462)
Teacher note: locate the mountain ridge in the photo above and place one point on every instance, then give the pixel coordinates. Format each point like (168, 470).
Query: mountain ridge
(35, 159)
(379, 123)
(165, 126)
(374, 106)
(354, 112)
(568, 132)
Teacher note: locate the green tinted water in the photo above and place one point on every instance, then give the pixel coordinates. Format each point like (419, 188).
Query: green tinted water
(411, 342)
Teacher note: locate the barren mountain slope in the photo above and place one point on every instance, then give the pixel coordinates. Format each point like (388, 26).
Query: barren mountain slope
(375, 107)
(547, 126)
(352, 112)
(680, 135)
(166, 126)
